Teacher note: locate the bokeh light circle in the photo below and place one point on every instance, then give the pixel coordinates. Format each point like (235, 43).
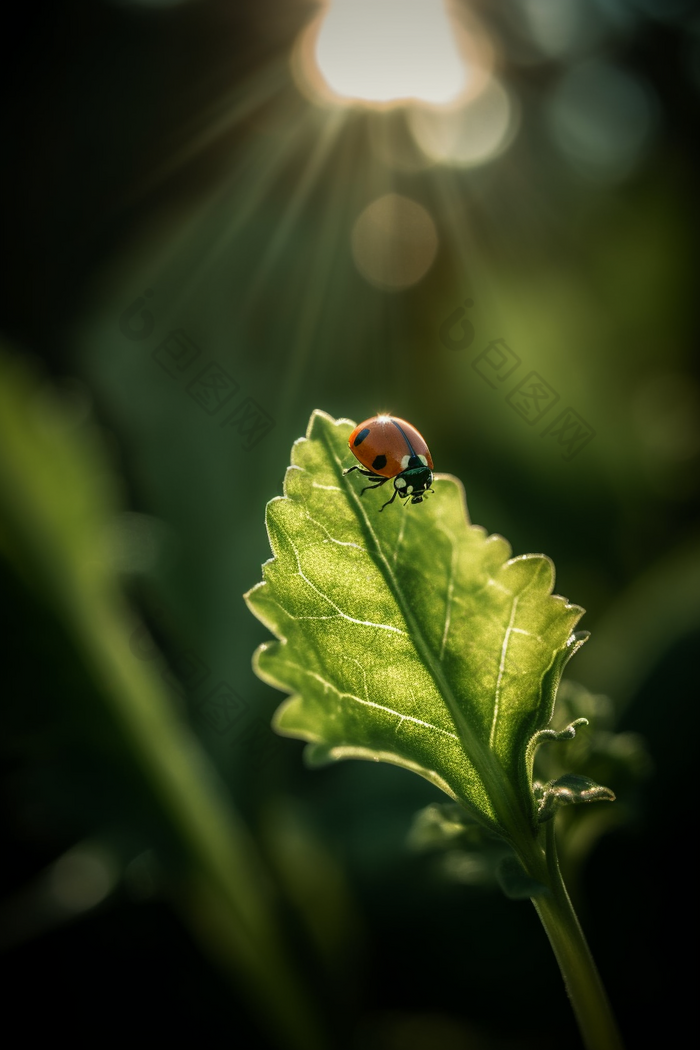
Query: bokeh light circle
(394, 242)
(472, 134)
(602, 119)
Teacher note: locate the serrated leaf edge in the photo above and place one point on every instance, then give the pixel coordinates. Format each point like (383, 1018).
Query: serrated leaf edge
(499, 790)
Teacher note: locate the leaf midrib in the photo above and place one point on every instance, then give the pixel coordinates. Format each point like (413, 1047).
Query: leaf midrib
(485, 763)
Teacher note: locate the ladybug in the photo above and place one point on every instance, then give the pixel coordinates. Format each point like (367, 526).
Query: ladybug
(389, 447)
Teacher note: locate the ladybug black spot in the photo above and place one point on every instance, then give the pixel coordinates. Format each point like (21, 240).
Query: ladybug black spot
(378, 463)
(361, 437)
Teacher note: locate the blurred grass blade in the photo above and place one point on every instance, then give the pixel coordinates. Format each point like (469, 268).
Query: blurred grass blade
(409, 636)
(57, 502)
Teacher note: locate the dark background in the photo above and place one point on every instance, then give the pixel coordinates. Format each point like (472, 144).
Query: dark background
(166, 147)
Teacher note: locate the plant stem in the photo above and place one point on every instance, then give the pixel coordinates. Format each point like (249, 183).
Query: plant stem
(588, 998)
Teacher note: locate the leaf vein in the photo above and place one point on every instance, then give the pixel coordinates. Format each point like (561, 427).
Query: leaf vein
(341, 543)
(450, 591)
(504, 650)
(371, 703)
(399, 540)
(339, 611)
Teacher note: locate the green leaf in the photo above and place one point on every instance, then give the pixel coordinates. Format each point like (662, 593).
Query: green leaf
(409, 636)
(569, 790)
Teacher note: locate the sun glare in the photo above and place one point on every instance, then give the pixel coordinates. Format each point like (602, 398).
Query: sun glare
(384, 52)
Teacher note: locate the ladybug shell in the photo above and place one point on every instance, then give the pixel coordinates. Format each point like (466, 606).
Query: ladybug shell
(385, 444)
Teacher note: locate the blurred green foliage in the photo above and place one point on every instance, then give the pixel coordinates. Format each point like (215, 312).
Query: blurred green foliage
(56, 503)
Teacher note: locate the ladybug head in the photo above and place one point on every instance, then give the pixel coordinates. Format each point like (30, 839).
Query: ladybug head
(414, 483)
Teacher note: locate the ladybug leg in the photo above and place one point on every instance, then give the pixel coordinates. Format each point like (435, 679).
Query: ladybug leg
(396, 492)
(367, 473)
(382, 481)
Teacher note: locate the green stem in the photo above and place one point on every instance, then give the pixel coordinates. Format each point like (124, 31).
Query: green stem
(588, 999)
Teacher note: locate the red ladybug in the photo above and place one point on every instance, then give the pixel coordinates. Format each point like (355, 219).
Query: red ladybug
(389, 447)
